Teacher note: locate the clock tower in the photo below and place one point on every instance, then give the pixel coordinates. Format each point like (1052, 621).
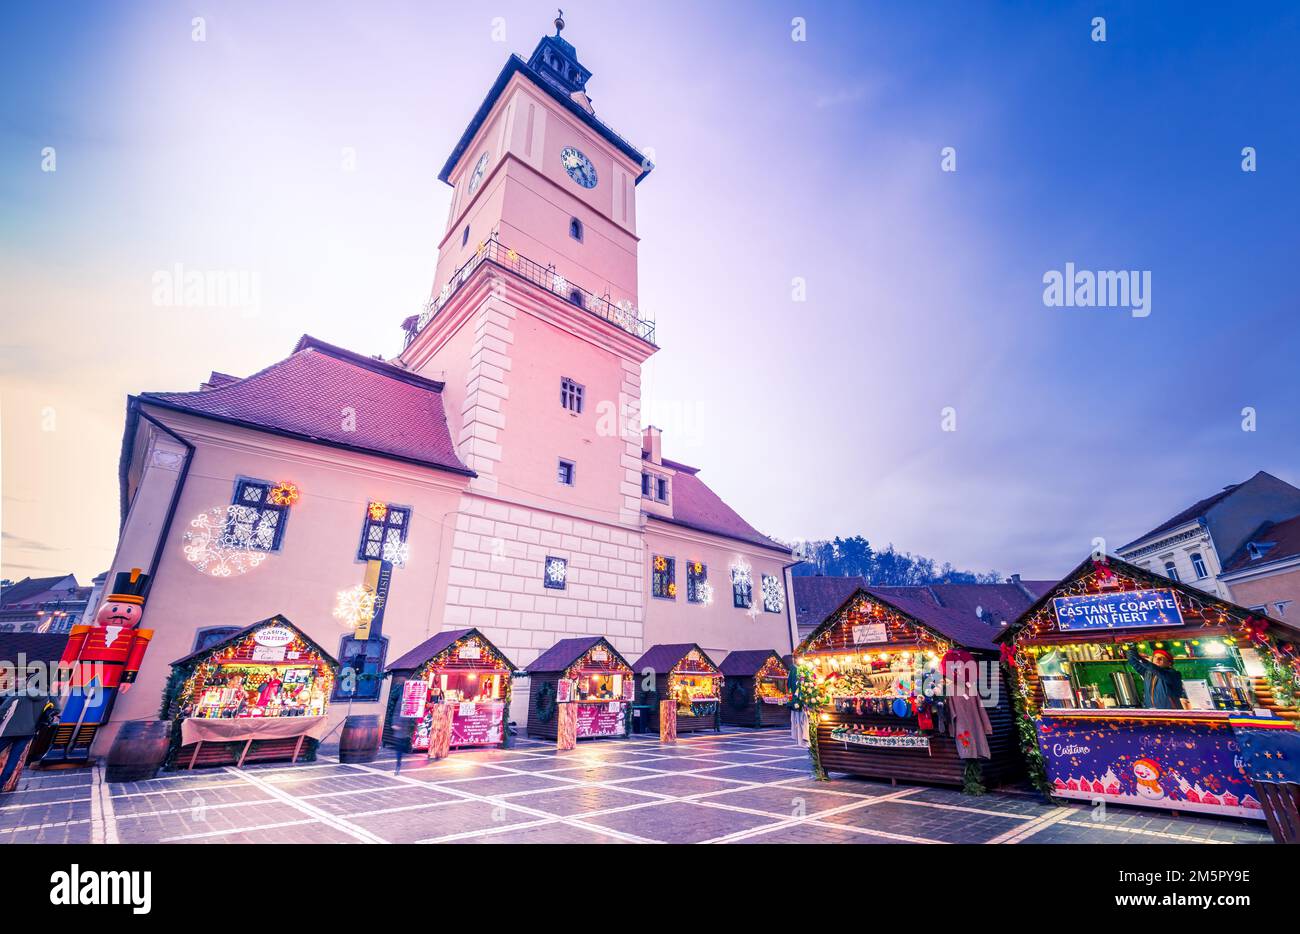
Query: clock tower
(533, 323)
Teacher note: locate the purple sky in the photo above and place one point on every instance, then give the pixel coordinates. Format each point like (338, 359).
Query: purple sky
(776, 159)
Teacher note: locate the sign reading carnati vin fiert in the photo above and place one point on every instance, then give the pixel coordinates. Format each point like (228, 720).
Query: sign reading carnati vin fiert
(1133, 609)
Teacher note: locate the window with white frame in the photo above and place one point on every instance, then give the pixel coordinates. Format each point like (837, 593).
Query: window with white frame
(565, 472)
(1198, 565)
(663, 577)
(1171, 572)
(773, 594)
(742, 588)
(697, 582)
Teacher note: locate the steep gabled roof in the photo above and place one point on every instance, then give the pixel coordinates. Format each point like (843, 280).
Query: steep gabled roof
(816, 598)
(396, 413)
(697, 507)
(1195, 511)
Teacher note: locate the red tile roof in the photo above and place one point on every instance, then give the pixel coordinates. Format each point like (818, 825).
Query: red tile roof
(695, 506)
(1277, 541)
(397, 414)
(44, 647)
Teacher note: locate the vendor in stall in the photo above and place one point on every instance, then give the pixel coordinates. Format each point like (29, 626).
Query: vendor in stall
(1164, 685)
(1208, 671)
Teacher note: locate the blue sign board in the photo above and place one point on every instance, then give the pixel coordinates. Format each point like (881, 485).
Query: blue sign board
(1129, 609)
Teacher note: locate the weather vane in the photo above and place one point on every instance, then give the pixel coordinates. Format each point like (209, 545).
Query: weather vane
(559, 22)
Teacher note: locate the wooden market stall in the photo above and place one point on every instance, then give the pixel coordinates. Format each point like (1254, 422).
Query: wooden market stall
(902, 689)
(1141, 689)
(757, 692)
(465, 672)
(260, 695)
(588, 675)
(685, 675)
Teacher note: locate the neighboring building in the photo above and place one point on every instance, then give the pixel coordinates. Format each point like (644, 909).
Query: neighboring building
(43, 604)
(815, 599)
(1264, 573)
(498, 464)
(1190, 547)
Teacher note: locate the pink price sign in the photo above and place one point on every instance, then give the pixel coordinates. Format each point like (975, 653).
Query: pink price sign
(477, 724)
(602, 719)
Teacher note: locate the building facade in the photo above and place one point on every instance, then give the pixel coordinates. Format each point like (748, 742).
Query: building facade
(496, 471)
(1192, 546)
(43, 604)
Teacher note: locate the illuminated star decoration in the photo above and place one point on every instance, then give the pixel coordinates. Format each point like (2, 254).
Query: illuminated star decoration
(228, 540)
(283, 493)
(355, 606)
(377, 511)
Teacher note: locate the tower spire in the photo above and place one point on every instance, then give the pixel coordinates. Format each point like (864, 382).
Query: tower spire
(559, 23)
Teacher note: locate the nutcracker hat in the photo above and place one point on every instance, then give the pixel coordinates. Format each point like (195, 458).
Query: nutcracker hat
(129, 586)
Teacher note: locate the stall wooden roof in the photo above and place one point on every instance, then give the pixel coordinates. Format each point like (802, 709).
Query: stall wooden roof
(745, 663)
(439, 642)
(662, 659)
(950, 625)
(276, 620)
(1151, 581)
(567, 651)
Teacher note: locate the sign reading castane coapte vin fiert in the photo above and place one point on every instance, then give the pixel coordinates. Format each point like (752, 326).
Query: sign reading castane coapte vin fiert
(1132, 609)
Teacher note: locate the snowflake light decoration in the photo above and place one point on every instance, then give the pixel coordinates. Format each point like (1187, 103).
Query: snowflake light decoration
(773, 594)
(741, 573)
(228, 540)
(704, 593)
(558, 283)
(557, 573)
(355, 606)
(396, 552)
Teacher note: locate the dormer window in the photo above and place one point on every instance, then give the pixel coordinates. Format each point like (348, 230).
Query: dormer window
(661, 489)
(575, 229)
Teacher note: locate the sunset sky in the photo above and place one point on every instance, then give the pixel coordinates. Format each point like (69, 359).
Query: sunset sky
(775, 160)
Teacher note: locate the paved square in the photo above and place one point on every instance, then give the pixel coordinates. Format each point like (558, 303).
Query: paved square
(743, 786)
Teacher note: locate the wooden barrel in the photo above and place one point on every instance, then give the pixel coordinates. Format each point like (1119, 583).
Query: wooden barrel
(138, 751)
(360, 739)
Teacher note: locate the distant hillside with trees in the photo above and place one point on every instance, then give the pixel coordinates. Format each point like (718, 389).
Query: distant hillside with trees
(854, 557)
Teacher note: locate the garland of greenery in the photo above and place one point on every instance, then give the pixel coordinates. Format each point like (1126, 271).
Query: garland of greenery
(1027, 731)
(809, 696)
(1281, 677)
(546, 705)
(972, 781)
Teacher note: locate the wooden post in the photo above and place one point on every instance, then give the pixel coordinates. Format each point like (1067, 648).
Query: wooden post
(566, 726)
(440, 731)
(667, 720)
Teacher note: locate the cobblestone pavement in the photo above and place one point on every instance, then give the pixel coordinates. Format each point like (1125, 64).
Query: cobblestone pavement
(735, 787)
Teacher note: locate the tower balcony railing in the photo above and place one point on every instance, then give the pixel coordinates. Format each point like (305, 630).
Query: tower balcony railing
(622, 314)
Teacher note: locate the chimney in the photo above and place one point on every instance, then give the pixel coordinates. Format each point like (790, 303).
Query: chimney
(1015, 578)
(652, 444)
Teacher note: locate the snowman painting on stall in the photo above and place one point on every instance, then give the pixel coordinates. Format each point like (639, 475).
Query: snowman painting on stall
(1147, 773)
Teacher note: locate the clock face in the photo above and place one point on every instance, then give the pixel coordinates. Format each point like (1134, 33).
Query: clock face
(478, 173)
(579, 167)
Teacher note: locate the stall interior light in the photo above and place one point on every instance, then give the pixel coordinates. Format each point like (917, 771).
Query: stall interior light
(1216, 648)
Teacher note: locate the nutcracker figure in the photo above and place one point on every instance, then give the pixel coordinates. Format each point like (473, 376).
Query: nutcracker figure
(98, 661)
